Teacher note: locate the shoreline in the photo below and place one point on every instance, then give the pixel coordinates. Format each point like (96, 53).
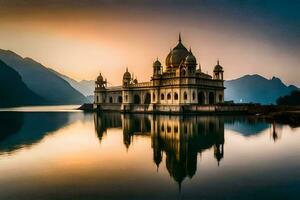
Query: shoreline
(271, 113)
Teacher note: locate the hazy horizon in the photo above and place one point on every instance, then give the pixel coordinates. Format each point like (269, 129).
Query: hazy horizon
(81, 39)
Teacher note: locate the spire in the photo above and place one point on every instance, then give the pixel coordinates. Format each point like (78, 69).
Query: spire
(179, 40)
(126, 69)
(218, 62)
(190, 50)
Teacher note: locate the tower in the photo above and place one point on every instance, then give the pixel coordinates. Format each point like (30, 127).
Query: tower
(218, 71)
(126, 78)
(100, 89)
(190, 63)
(157, 68)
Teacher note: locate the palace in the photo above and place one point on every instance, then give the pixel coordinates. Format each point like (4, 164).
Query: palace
(180, 86)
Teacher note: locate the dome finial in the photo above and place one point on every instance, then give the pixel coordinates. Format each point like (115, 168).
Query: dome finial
(218, 62)
(179, 40)
(190, 50)
(126, 69)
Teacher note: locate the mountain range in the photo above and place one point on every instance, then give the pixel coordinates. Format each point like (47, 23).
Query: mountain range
(34, 84)
(256, 89)
(13, 91)
(42, 81)
(85, 87)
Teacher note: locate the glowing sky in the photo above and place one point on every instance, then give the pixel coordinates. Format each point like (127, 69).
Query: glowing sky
(83, 38)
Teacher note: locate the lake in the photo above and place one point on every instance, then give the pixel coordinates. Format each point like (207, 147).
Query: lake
(57, 153)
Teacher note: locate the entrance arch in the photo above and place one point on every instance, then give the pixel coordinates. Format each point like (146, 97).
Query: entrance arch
(147, 98)
(201, 98)
(120, 99)
(136, 99)
(211, 98)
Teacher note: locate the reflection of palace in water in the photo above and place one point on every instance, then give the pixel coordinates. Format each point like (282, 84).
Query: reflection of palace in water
(180, 138)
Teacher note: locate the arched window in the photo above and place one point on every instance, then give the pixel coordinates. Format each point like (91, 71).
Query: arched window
(183, 72)
(175, 129)
(168, 129)
(147, 98)
(126, 97)
(162, 128)
(220, 98)
(162, 97)
(185, 96)
(153, 97)
(185, 130)
(175, 96)
(136, 99)
(194, 96)
(120, 100)
(110, 100)
(169, 96)
(201, 98)
(211, 98)
(97, 99)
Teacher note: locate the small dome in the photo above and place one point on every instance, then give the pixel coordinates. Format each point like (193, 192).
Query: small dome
(218, 67)
(157, 63)
(127, 75)
(100, 78)
(190, 59)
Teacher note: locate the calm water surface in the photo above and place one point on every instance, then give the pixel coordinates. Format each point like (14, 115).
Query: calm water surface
(73, 155)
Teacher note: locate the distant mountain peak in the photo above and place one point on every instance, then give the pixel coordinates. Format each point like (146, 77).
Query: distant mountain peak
(11, 97)
(10, 53)
(42, 81)
(257, 89)
(276, 79)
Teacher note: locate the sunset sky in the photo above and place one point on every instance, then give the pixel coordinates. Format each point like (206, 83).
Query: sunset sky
(82, 38)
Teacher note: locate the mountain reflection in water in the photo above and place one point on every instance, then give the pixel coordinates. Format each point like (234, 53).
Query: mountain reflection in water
(21, 129)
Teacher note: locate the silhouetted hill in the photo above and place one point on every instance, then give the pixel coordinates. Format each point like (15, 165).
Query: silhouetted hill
(13, 91)
(256, 89)
(42, 81)
(84, 87)
(292, 99)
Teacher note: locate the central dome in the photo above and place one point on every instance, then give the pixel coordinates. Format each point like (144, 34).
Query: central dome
(177, 55)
